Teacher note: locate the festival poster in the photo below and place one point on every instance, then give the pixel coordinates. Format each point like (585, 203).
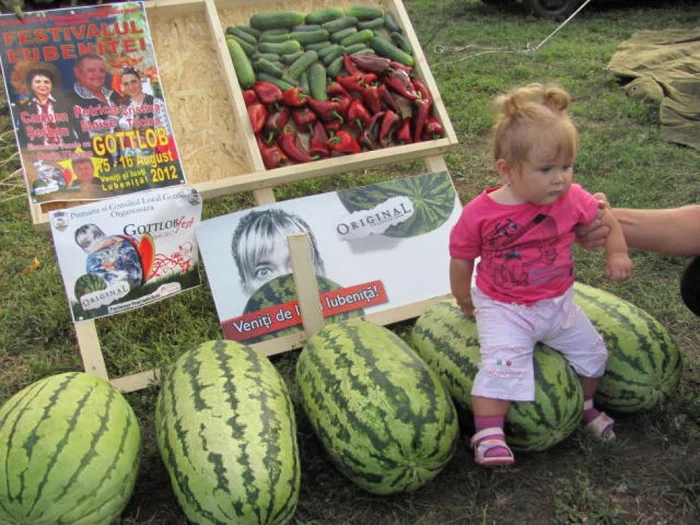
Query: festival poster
(86, 103)
(374, 248)
(126, 252)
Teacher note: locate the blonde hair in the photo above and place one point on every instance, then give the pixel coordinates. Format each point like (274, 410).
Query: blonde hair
(529, 115)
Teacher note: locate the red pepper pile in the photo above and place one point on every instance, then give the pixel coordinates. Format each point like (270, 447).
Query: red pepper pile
(363, 112)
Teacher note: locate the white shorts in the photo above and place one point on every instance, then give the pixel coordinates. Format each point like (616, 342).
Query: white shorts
(508, 334)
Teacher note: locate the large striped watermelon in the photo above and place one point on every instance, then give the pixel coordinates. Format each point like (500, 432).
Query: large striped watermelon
(432, 195)
(644, 366)
(226, 431)
(382, 415)
(448, 342)
(281, 290)
(69, 452)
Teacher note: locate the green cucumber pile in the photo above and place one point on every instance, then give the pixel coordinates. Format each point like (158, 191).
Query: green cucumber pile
(281, 46)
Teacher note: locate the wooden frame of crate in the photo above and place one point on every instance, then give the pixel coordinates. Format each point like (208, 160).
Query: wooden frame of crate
(218, 149)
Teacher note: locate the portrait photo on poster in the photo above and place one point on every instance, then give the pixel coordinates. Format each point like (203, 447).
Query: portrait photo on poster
(368, 247)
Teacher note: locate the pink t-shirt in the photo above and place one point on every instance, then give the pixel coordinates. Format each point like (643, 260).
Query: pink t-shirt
(525, 249)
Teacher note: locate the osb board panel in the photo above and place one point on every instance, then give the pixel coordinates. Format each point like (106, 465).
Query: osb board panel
(210, 142)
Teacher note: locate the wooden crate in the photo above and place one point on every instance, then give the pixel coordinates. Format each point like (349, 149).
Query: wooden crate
(218, 150)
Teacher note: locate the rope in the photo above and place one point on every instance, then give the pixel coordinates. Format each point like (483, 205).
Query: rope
(440, 49)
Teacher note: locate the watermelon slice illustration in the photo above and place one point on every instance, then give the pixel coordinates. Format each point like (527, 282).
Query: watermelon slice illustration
(147, 253)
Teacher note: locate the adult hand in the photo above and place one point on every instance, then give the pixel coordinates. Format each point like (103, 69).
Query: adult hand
(593, 235)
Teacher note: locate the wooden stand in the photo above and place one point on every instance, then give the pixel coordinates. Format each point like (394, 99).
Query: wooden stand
(219, 152)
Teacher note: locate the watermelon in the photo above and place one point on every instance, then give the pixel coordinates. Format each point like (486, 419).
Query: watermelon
(282, 290)
(87, 283)
(226, 432)
(384, 418)
(433, 197)
(644, 366)
(448, 342)
(69, 452)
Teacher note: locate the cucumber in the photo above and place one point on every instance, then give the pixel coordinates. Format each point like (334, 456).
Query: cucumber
(304, 81)
(241, 64)
(281, 48)
(250, 30)
(377, 23)
(402, 42)
(301, 64)
(276, 20)
(243, 35)
(338, 36)
(356, 47)
(324, 15)
(318, 82)
(263, 65)
(363, 12)
(327, 50)
(340, 23)
(391, 24)
(281, 83)
(247, 48)
(357, 38)
(330, 57)
(275, 37)
(318, 47)
(387, 49)
(306, 27)
(310, 37)
(291, 58)
(272, 57)
(333, 69)
(365, 51)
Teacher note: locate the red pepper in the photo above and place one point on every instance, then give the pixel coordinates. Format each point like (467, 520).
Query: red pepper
(249, 97)
(272, 155)
(368, 137)
(292, 146)
(294, 97)
(267, 92)
(344, 142)
(420, 116)
(358, 116)
(304, 118)
(400, 82)
(433, 129)
(349, 65)
(326, 110)
(257, 115)
(403, 135)
(372, 99)
(389, 100)
(372, 63)
(357, 81)
(421, 89)
(399, 66)
(390, 124)
(277, 120)
(318, 143)
(332, 126)
(338, 94)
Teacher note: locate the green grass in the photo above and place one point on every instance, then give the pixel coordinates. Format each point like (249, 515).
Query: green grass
(651, 476)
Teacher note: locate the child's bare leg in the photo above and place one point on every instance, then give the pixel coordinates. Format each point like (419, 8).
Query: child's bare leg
(593, 419)
(488, 440)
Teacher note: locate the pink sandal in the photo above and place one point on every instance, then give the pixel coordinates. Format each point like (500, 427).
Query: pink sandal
(601, 427)
(490, 440)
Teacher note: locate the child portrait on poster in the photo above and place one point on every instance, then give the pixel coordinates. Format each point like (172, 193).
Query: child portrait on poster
(260, 249)
(522, 231)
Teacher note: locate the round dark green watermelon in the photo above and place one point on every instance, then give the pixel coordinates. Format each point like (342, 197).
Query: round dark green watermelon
(88, 283)
(433, 197)
(282, 290)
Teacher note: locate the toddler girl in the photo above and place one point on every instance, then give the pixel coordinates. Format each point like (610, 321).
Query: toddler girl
(523, 293)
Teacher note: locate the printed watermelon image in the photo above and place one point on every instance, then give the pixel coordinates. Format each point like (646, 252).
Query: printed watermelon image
(226, 432)
(147, 254)
(447, 340)
(88, 283)
(69, 452)
(433, 197)
(644, 366)
(381, 414)
(281, 290)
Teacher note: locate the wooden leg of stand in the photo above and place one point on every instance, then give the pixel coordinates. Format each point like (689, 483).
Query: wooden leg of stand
(306, 283)
(435, 163)
(90, 351)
